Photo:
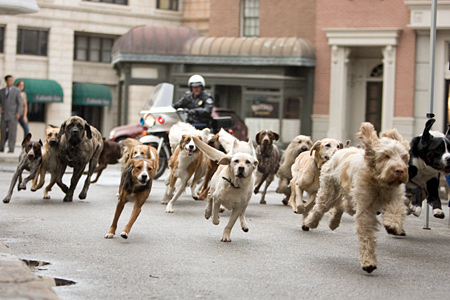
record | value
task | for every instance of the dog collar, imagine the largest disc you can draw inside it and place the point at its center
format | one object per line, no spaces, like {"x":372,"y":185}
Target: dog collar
{"x":230,"y":182}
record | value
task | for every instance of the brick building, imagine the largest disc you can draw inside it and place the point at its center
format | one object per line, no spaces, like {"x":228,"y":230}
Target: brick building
{"x":312,"y":67}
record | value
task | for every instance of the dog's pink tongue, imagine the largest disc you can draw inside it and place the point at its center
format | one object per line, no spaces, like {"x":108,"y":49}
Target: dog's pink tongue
{"x":189,"y":152}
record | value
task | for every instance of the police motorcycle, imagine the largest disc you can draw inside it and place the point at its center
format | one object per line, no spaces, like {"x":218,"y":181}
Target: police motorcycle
{"x":159,"y":116}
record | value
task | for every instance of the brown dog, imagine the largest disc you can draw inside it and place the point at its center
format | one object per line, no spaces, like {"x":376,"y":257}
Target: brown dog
{"x":110,"y":155}
{"x":50,"y":162}
{"x":29,"y":160}
{"x":79,"y":144}
{"x":211,"y":166}
{"x":135,"y":184}
{"x":268,"y":157}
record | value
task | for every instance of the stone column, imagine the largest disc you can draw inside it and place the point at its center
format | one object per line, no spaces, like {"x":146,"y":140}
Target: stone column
{"x":388,"y":102}
{"x":337,"y":125}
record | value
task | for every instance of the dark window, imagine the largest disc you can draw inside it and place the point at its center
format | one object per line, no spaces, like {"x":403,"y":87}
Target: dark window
{"x":250,"y":18}
{"x":36,"y":112}
{"x":32,"y":41}
{"x":167,"y":4}
{"x":93,"y":48}
{"x":2,"y":38}
{"x":123,"y":2}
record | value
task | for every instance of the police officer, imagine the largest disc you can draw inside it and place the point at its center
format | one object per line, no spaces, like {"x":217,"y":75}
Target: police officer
{"x":198,"y":103}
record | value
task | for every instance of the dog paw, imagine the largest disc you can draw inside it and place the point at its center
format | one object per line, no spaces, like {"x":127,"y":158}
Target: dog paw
{"x":305,"y":228}
{"x":285,"y":201}
{"x":256,"y":191}
{"x":21,"y":187}
{"x":109,"y":235}
{"x":67,"y":199}
{"x":6,"y":200}
{"x":124,"y":235}
{"x":33,"y":189}
{"x":46,"y":197}
{"x":416,"y":210}
{"x":369,"y":269}
{"x":82,"y":196}
{"x":207,"y":214}
{"x":225,"y":239}
{"x":169,"y":209}
{"x":262,"y":202}
{"x":216,"y":221}
{"x":221,"y":209}
{"x":394,"y":231}
{"x":438,"y":213}
{"x":245,"y":229}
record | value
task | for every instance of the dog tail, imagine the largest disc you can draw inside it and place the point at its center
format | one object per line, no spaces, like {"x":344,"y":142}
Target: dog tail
{"x":226,"y":140}
{"x":211,"y":152}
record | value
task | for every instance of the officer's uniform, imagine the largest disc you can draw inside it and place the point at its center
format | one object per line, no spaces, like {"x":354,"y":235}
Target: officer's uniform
{"x":199,"y":109}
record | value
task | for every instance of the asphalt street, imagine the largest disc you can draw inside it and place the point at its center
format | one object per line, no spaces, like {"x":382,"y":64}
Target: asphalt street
{"x":180,"y":256}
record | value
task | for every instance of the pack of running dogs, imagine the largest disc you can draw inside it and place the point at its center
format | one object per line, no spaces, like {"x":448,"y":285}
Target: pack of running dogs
{"x":384,"y":175}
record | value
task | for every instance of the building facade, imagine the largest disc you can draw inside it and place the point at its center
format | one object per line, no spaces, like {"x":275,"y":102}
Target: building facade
{"x":69,"y":42}
{"x":318,"y":68}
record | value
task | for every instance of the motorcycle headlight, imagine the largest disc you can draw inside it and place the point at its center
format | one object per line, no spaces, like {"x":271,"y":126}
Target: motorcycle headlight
{"x":149,"y":120}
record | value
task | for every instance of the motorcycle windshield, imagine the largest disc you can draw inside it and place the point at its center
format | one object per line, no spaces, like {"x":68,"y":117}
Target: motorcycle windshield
{"x":162,"y":96}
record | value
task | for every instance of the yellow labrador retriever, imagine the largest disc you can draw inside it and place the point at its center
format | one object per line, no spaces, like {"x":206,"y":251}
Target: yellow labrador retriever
{"x":231,"y":185}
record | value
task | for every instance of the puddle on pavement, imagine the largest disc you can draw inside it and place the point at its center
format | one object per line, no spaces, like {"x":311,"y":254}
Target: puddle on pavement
{"x":36,"y":265}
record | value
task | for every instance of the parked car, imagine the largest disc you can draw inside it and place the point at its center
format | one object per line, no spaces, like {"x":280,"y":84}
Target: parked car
{"x":120,"y":133}
{"x":240,"y":130}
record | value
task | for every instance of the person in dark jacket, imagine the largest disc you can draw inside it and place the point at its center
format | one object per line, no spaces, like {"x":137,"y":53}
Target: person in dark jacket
{"x":197,"y":102}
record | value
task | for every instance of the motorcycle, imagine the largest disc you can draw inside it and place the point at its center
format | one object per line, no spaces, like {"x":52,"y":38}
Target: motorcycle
{"x":159,"y":116}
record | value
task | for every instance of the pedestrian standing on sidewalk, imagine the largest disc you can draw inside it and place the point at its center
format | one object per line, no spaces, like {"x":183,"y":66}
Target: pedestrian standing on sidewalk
{"x":11,"y":108}
{"x":23,"y":120}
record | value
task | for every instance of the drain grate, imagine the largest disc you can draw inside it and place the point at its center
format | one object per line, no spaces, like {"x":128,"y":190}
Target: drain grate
{"x":36,"y":264}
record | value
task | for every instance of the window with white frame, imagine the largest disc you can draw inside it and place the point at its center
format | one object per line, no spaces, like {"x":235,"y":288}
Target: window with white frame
{"x":250,"y":18}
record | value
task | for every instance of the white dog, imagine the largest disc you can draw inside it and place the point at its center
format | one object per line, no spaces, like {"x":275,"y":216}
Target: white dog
{"x":231,"y":185}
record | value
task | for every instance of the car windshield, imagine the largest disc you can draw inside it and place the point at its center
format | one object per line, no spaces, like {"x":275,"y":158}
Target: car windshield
{"x":162,"y":96}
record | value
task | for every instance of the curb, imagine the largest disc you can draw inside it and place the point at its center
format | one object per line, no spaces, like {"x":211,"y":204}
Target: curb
{"x":18,"y":282}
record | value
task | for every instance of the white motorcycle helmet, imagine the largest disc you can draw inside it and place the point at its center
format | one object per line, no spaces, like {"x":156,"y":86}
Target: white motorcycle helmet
{"x":196,"y":80}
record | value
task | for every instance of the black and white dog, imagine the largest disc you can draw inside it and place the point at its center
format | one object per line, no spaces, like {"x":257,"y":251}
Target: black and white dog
{"x":429,"y":156}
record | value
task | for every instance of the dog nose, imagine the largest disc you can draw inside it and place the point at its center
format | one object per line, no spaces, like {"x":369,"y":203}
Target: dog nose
{"x":303,"y":148}
{"x":241,"y":169}
{"x":144,"y":177}
{"x":191,"y":147}
{"x":399,"y":172}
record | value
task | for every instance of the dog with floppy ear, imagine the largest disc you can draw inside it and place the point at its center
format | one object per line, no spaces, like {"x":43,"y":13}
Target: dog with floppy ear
{"x":373,"y":180}
{"x":231,"y":185}
{"x":29,"y":159}
{"x":430,"y":156}
{"x":50,"y":162}
{"x":306,"y":172}
{"x":79,"y":144}
{"x":268,"y":157}
{"x":298,"y":145}
{"x":135,"y":184}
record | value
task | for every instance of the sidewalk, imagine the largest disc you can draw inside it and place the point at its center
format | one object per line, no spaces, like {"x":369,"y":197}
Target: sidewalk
{"x":6,"y":157}
{"x":18,"y":282}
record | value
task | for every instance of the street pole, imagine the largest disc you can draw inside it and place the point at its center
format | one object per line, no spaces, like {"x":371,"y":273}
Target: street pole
{"x":432,"y":63}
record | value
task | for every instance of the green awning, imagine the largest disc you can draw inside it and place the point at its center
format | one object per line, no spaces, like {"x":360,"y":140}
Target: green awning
{"x":42,"y":90}
{"x":91,"y":94}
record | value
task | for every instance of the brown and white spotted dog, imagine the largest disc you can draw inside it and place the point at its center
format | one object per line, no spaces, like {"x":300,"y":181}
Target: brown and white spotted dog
{"x":135,"y":185}
{"x":268,"y":157}
{"x":185,"y":162}
{"x":29,"y":159}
